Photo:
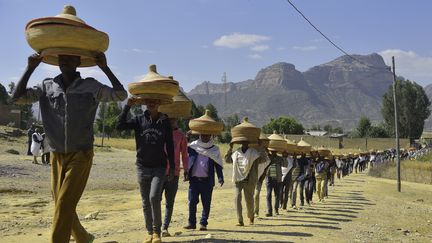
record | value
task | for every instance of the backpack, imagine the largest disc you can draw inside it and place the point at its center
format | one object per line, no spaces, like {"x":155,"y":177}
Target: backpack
{"x":319,"y":168}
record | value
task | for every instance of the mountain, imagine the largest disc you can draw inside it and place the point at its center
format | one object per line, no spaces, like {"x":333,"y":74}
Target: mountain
{"x":338,"y":92}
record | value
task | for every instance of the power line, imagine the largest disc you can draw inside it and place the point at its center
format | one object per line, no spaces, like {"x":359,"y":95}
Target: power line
{"x":334,"y":44}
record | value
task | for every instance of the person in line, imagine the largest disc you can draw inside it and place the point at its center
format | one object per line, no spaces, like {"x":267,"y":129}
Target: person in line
{"x":285,"y":186}
{"x":245,"y":162}
{"x":204,"y":160}
{"x":36,"y":146}
{"x":321,"y":177}
{"x":274,"y":178}
{"x":45,"y":150}
{"x":302,"y":163}
{"x":154,"y":146}
{"x":30,"y":132}
{"x":261,"y":171}
{"x":68,"y":105}
{"x":170,"y":187}
{"x":309,"y":182}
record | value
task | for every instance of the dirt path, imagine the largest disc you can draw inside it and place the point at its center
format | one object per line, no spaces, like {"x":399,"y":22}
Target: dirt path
{"x":360,"y":209}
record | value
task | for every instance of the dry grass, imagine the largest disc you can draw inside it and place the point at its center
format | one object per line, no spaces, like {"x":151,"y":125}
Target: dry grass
{"x":411,"y":170}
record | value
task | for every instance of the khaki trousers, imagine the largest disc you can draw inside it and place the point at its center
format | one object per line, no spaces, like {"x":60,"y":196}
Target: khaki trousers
{"x":320,"y":184}
{"x":249,"y":188}
{"x":69,"y":174}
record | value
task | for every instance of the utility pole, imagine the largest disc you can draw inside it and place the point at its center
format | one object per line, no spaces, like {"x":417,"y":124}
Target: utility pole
{"x":103,"y":123}
{"x":396,"y":126}
{"x":224,"y":81}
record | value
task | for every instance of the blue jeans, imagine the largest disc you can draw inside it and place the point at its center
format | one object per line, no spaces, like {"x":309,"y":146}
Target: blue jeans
{"x":170,"y":188}
{"x":151,"y":181}
{"x":205,"y":189}
{"x":272,"y":185}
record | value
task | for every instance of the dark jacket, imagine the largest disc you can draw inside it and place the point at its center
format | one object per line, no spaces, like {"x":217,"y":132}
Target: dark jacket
{"x":211,"y":167}
{"x":153,"y":139}
{"x":68,"y":114}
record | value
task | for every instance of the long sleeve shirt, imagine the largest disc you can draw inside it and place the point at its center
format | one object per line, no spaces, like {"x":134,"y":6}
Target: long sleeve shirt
{"x":153,"y":139}
{"x":68,"y":114}
{"x":180,"y":150}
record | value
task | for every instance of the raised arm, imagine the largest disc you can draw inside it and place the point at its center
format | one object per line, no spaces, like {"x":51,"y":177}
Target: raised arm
{"x":20,"y":92}
{"x":117,"y":92}
{"x":227,"y":157}
{"x":122,"y":122}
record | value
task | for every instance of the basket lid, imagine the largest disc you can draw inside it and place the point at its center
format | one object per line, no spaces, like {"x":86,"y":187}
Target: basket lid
{"x":153,"y":76}
{"x":303,"y":143}
{"x":67,"y":16}
{"x":263,"y":137}
{"x":246,"y":123}
{"x":290,"y":142}
{"x":205,"y":125}
{"x":69,"y":12}
{"x":276,"y":137}
{"x":205,"y":117}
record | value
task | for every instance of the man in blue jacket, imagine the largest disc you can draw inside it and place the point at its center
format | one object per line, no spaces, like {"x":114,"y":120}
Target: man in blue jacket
{"x":204,"y":160}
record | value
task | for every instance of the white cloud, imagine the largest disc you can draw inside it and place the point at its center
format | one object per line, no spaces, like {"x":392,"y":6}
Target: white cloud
{"x":204,"y":46}
{"x":238,"y":40}
{"x":255,"y":56}
{"x":136,"y":50}
{"x":260,"y":48}
{"x":305,"y":48}
{"x":410,"y":65}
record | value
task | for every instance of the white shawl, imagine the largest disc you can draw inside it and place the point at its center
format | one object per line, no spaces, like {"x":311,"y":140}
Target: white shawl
{"x":242,"y":163}
{"x":207,"y":149}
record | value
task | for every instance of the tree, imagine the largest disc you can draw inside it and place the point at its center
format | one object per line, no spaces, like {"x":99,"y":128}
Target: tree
{"x":284,"y":125}
{"x":26,"y":110}
{"x":4,"y":96}
{"x":213,"y":112}
{"x":108,"y":114}
{"x":363,"y":127}
{"x":231,"y":121}
{"x":378,"y":131}
{"x":413,"y":108}
{"x":197,"y":111}
{"x":330,"y":129}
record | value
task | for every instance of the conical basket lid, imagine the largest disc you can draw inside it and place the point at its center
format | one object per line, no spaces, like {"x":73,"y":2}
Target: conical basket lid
{"x":153,"y":76}
{"x":69,"y":12}
{"x":67,"y":16}
{"x":276,"y":137}
{"x":205,"y":125}
{"x":263,"y":137}
{"x":304,"y":146}
{"x":180,"y":108}
{"x":245,"y":132}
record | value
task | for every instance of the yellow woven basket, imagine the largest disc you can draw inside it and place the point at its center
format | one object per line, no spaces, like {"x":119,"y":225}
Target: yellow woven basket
{"x":205,"y":125}
{"x":245,"y":132}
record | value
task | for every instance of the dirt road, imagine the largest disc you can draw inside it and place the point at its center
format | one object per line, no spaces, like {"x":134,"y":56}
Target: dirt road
{"x":360,"y":208}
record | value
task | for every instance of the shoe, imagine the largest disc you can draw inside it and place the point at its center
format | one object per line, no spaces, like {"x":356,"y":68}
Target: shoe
{"x":277,"y":212}
{"x":148,"y":238}
{"x":203,"y":228}
{"x":269,"y":214}
{"x":189,"y":227}
{"x":240,"y":224}
{"x":251,"y":221}
{"x":156,"y":238}
{"x":294,"y":207}
{"x":308,"y":203}
{"x":256,"y":216}
{"x":165,"y":233}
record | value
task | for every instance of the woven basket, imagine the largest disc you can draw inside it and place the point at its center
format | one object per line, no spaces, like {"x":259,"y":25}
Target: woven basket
{"x":303,"y":146}
{"x":65,"y":34}
{"x":277,"y":143}
{"x":245,"y":132}
{"x":205,"y":125}
{"x":180,"y":108}
{"x":292,"y":147}
{"x":324,"y":152}
{"x":155,"y":86}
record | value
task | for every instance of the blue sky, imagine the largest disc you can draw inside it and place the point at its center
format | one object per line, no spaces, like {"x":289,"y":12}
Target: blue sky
{"x":198,"y":40}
